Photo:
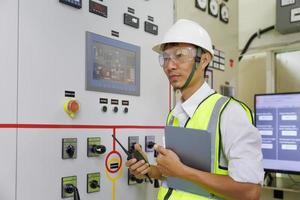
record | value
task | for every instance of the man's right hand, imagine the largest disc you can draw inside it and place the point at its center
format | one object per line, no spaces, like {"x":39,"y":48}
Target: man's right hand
{"x":138,"y":168}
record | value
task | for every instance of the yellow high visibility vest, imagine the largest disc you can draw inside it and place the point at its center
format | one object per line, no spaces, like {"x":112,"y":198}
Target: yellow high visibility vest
{"x":206,"y":117}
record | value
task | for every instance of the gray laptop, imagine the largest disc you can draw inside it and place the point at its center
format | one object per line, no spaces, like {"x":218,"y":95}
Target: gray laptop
{"x":194,"y":149}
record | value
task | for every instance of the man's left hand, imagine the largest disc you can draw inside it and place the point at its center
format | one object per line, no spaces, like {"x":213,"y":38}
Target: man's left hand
{"x":168,"y":162}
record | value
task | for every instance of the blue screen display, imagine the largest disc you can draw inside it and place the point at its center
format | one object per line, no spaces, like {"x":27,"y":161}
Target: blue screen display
{"x":112,"y":66}
{"x":277,"y":116}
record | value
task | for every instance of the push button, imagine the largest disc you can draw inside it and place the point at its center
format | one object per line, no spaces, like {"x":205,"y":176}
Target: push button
{"x":71,"y":107}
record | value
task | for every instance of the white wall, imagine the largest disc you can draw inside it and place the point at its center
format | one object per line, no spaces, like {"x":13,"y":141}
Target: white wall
{"x":287,"y":72}
{"x":252,"y":77}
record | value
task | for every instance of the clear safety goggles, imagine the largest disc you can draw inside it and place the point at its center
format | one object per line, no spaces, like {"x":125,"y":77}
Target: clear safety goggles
{"x":177,"y":55}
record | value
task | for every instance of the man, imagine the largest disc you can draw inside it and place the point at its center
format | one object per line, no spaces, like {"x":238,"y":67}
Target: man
{"x":237,"y":173}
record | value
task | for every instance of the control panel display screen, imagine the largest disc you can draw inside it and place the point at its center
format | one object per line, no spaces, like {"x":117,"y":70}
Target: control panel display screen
{"x":277,"y":118}
{"x":112,"y":66}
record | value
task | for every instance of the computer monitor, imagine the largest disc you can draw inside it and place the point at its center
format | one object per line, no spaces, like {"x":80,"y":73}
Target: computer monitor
{"x":112,"y":65}
{"x":277,"y":117}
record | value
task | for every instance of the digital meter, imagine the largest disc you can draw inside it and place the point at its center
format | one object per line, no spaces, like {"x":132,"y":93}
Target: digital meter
{"x":73,"y":3}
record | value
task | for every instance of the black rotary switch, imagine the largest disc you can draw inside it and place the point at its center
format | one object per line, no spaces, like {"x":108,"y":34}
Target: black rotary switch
{"x":104,"y":108}
{"x":150,"y":144}
{"x":69,"y":188}
{"x":115,"y":109}
{"x":98,"y":149}
{"x":70,"y":150}
{"x":94,"y":184}
{"x":139,"y":181}
{"x":133,"y":178}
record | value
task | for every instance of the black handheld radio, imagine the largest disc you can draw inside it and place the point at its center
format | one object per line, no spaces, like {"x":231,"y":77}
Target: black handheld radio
{"x":133,"y":154}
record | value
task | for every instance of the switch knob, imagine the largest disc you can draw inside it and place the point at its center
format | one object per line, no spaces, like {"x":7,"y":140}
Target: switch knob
{"x":69,"y":188}
{"x":94,"y":184}
{"x":115,"y":109}
{"x":71,"y":107}
{"x":98,"y":149}
{"x":150,"y":144}
{"x":133,"y":178}
{"x":104,"y":108}
{"x":70,"y":150}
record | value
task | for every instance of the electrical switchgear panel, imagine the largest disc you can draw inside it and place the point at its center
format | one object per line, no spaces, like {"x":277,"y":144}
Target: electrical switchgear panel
{"x":69,"y":148}
{"x":93,"y":182}
{"x":67,"y":186}
{"x":65,"y":121}
{"x":132,"y":180}
{"x":94,"y":147}
{"x":287,"y":16}
{"x":149,"y":143}
{"x":132,"y":140}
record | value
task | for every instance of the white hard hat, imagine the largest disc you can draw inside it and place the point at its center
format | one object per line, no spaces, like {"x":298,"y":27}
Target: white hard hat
{"x":186,"y":31}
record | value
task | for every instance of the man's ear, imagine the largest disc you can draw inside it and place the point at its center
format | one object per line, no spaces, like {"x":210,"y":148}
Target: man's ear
{"x":205,"y":60}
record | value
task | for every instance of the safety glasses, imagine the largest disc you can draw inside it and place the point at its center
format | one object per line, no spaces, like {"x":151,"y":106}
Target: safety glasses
{"x":177,"y":55}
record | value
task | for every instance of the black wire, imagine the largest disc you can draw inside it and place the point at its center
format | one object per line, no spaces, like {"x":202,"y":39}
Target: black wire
{"x":253,"y":36}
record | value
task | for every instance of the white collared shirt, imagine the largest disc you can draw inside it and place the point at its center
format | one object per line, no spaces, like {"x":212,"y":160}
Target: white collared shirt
{"x":240,"y":139}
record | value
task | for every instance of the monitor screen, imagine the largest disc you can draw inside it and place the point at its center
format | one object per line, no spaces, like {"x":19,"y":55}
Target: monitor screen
{"x":277,"y":117}
{"x":112,"y":66}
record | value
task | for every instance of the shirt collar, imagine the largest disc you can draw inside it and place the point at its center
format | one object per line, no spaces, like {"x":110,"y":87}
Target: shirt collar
{"x":191,"y":104}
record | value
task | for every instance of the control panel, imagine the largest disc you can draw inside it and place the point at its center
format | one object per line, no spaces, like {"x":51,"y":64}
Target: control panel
{"x":132,"y":140}
{"x":151,"y":28}
{"x":149,"y":143}
{"x":94,"y":147}
{"x":93,"y":182}
{"x":131,"y":20}
{"x":115,"y":105}
{"x":287,"y":16}
{"x":69,"y":148}
{"x":97,"y":8}
{"x":68,"y":185}
{"x":91,"y":77}
{"x":132,"y":180}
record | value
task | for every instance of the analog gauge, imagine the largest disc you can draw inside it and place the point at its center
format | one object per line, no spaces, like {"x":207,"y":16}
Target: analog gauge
{"x":224,"y":13}
{"x":201,"y":4}
{"x":213,"y":7}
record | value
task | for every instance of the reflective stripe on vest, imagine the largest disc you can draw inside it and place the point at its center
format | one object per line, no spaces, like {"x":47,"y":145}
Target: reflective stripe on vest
{"x":206,"y":117}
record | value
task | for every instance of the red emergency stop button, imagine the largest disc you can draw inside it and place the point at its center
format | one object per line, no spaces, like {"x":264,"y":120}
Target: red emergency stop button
{"x":71,"y":107}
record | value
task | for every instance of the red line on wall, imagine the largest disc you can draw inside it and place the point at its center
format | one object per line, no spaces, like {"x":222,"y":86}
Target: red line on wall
{"x":8,"y":126}
{"x":78,"y":126}
{"x":114,"y":141}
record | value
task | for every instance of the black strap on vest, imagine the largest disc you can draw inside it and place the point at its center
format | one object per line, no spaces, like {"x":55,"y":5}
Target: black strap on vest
{"x":168,"y":194}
